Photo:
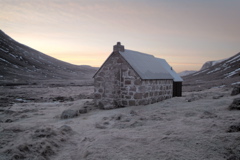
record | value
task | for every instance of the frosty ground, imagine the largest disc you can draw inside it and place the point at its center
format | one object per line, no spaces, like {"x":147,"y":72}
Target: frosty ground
{"x":195,"y":126}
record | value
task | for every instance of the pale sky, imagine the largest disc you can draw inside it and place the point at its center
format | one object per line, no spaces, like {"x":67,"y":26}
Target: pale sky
{"x":186,"y":33}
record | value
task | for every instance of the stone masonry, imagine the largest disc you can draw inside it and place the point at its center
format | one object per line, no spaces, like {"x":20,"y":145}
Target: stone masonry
{"x":116,"y":84}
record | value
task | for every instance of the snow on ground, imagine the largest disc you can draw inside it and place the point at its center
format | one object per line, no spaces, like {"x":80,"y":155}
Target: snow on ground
{"x":4,"y":60}
{"x":12,"y":55}
{"x":232,"y":73}
{"x":232,"y":59}
{"x":235,"y":83}
{"x":3,"y":50}
{"x":171,"y":129}
{"x":218,"y":61}
{"x":201,"y":71}
{"x":216,"y":69}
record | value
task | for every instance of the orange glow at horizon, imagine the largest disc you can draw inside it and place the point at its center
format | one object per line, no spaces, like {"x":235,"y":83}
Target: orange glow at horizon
{"x":185,"y":33}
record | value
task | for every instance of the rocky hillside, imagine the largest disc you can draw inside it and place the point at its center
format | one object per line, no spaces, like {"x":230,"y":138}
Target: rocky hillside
{"x":20,"y":62}
{"x":224,"y":72}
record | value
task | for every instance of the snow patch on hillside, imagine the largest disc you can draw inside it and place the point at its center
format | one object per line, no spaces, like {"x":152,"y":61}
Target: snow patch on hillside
{"x":211,"y":63}
{"x":3,"y":50}
{"x":4,"y":60}
{"x":235,"y":83}
{"x":201,"y":71}
{"x":215,"y":70}
{"x":232,"y":73}
{"x":235,"y":58}
{"x":216,"y":62}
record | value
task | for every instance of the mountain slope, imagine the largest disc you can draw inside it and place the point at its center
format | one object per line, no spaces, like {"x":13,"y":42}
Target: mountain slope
{"x":18,"y":61}
{"x":225,"y":72}
{"x":210,"y":64}
{"x":185,"y":73}
{"x":228,"y":68}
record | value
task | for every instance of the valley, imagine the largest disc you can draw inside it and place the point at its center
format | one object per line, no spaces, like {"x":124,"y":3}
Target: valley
{"x":47,"y":112}
{"x":194,"y":126}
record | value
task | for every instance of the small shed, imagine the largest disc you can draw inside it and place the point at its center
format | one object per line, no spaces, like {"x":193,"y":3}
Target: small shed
{"x":131,"y":78}
{"x":177,"y":80}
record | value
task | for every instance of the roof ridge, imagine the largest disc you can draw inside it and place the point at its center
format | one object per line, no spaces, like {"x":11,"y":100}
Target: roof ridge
{"x":147,"y":66}
{"x":139,"y":53}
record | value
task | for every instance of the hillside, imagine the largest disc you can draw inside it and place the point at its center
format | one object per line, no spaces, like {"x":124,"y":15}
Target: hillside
{"x":224,"y":72}
{"x":210,"y":64}
{"x":19,"y":62}
{"x":185,"y":73}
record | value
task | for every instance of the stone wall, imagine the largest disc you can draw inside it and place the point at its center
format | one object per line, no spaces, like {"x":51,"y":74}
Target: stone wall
{"x":146,"y":92}
{"x":107,"y":83}
{"x":117,"y":85}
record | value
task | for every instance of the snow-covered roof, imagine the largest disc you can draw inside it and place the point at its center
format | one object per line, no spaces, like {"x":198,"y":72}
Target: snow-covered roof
{"x":176,"y":77}
{"x":149,"y":67}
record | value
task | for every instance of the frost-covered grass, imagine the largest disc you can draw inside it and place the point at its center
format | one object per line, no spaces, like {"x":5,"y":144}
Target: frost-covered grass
{"x":172,"y":129}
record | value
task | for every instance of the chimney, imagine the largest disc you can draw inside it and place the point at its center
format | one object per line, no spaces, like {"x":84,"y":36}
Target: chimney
{"x":118,"y":47}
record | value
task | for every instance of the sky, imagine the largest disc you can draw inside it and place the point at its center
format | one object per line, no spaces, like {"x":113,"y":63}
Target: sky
{"x":186,"y":33}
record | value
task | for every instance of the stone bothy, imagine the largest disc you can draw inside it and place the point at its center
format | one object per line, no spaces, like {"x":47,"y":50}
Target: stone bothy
{"x":130,"y":78}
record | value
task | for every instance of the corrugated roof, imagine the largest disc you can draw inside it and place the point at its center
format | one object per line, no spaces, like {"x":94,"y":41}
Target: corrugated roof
{"x":164,"y":63}
{"x":147,"y":66}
